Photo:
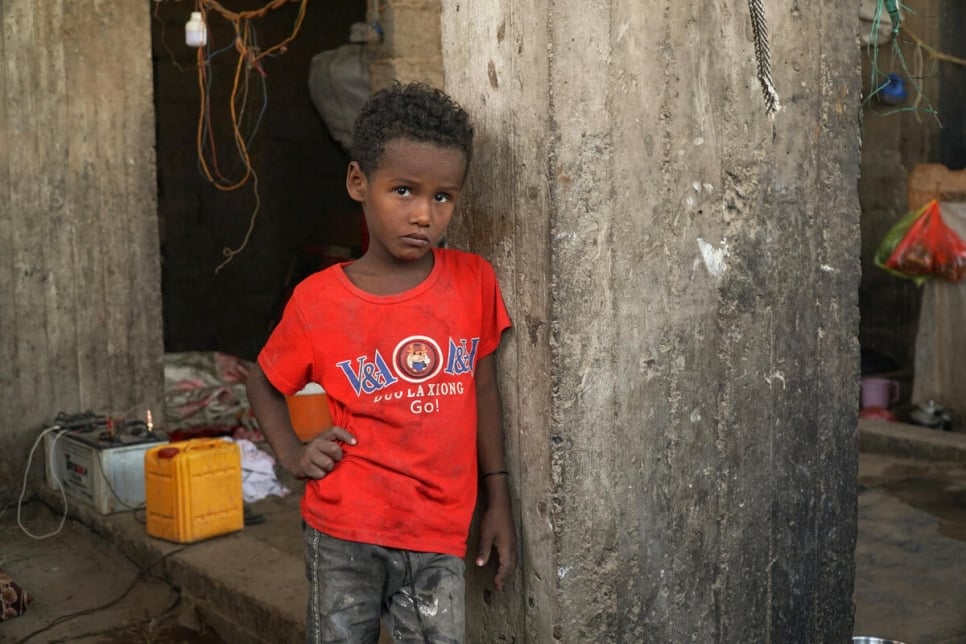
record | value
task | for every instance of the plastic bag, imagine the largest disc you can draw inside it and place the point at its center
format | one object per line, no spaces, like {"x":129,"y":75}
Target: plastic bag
{"x":921,"y":245}
{"x":338,"y":86}
{"x":892,"y":239}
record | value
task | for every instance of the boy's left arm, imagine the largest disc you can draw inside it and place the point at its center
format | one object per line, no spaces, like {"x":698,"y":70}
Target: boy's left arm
{"x":496,"y":525}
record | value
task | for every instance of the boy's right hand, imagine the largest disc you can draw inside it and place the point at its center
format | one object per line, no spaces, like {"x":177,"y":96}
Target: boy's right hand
{"x":320,"y":455}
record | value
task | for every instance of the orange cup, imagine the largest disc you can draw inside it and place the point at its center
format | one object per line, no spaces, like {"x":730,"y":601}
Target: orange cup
{"x":309,"y":412}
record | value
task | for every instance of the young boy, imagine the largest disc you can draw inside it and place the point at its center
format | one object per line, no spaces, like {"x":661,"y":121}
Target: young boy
{"x":403,"y":341}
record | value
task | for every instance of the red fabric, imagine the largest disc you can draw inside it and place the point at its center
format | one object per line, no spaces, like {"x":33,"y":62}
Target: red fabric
{"x":398,"y":371}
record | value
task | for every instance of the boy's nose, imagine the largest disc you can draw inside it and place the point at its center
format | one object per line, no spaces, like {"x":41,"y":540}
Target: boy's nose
{"x":421,"y":213}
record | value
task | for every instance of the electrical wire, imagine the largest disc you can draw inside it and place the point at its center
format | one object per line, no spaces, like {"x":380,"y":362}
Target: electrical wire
{"x":250,"y":55}
{"x":110,"y":486}
{"x":6,"y":505}
{"x":133,"y":408}
{"x":137,"y":577}
{"x":61,"y":431}
{"x":60,"y":486}
{"x":230,"y":253}
{"x":164,"y":43}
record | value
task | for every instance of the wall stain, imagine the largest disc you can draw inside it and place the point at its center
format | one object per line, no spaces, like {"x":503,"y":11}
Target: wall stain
{"x":533,"y":328}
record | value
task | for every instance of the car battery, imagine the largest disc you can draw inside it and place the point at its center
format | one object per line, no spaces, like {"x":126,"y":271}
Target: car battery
{"x":193,"y":490}
{"x":99,"y":467}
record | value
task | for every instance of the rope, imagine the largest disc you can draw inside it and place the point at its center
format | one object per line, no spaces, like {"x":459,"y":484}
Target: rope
{"x":763,"y":57}
{"x":879,"y":79}
{"x":937,"y":55}
{"x":892,"y":6}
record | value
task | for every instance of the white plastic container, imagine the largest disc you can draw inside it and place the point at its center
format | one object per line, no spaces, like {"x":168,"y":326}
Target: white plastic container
{"x":195,"y":30}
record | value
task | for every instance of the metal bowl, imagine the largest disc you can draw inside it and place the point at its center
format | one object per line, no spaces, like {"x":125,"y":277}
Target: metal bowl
{"x":866,"y":639}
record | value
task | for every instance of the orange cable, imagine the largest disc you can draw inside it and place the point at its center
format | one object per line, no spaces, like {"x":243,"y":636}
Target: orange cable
{"x":236,"y":132}
{"x":242,"y":26}
{"x":230,"y":253}
{"x":241,"y":15}
{"x":295,"y":30}
{"x":241,"y":23}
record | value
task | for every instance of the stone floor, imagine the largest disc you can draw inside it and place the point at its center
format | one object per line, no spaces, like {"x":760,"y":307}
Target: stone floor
{"x":910,"y":581}
{"x":102,"y":581}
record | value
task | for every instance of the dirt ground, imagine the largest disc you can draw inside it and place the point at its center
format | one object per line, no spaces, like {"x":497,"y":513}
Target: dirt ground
{"x":85,"y":593}
{"x":910,"y":563}
{"x":911,"y":554}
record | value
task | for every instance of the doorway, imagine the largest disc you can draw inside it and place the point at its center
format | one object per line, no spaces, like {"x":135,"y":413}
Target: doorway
{"x":223,"y":286}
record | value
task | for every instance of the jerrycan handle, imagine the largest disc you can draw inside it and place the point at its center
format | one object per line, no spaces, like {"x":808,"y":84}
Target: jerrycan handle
{"x":203,"y":443}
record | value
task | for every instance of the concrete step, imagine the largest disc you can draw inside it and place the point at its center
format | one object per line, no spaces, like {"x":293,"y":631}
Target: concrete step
{"x":243,"y":585}
{"x":913,"y":441}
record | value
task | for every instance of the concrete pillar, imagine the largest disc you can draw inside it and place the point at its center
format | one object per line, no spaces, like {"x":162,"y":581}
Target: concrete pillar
{"x":682,"y":270}
{"x":80,"y":279}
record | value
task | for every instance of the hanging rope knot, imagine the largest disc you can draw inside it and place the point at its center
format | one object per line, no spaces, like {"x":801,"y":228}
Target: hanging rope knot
{"x":892,"y":6}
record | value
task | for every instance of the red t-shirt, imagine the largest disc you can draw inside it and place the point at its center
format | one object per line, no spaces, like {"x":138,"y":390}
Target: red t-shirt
{"x":399,"y":373}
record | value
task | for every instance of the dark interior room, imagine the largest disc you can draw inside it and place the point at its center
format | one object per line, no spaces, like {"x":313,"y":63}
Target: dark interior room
{"x":251,"y":180}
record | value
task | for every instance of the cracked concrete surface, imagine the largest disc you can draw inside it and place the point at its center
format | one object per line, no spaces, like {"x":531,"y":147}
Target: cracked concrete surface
{"x":249,"y":586}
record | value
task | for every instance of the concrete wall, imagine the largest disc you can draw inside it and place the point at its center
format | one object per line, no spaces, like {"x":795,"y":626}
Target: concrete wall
{"x":80,"y":305}
{"x":681,"y":382}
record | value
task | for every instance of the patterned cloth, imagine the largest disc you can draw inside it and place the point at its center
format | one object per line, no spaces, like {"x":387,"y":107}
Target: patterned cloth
{"x":207,"y":390}
{"x":13,"y":599}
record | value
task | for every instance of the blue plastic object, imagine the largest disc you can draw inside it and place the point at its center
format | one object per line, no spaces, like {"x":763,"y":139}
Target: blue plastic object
{"x":893,"y":92}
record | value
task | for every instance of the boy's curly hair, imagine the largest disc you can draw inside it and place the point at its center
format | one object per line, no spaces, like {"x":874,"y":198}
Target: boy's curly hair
{"x":413,"y":111}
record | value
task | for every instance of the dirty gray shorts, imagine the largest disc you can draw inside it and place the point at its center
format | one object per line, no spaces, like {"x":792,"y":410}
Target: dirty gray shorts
{"x":353,"y":585}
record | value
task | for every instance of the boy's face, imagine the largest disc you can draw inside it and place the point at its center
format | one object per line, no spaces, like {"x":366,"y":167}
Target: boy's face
{"x":409,"y":199}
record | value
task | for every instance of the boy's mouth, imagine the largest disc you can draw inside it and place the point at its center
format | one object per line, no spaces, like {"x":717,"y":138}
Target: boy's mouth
{"x":416,"y":239}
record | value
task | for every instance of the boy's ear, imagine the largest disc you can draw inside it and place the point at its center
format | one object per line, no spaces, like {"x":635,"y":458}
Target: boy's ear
{"x":355,"y":182}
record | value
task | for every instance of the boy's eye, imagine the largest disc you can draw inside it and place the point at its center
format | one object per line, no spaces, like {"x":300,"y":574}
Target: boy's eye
{"x":401,"y":190}
{"x":441,"y":197}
